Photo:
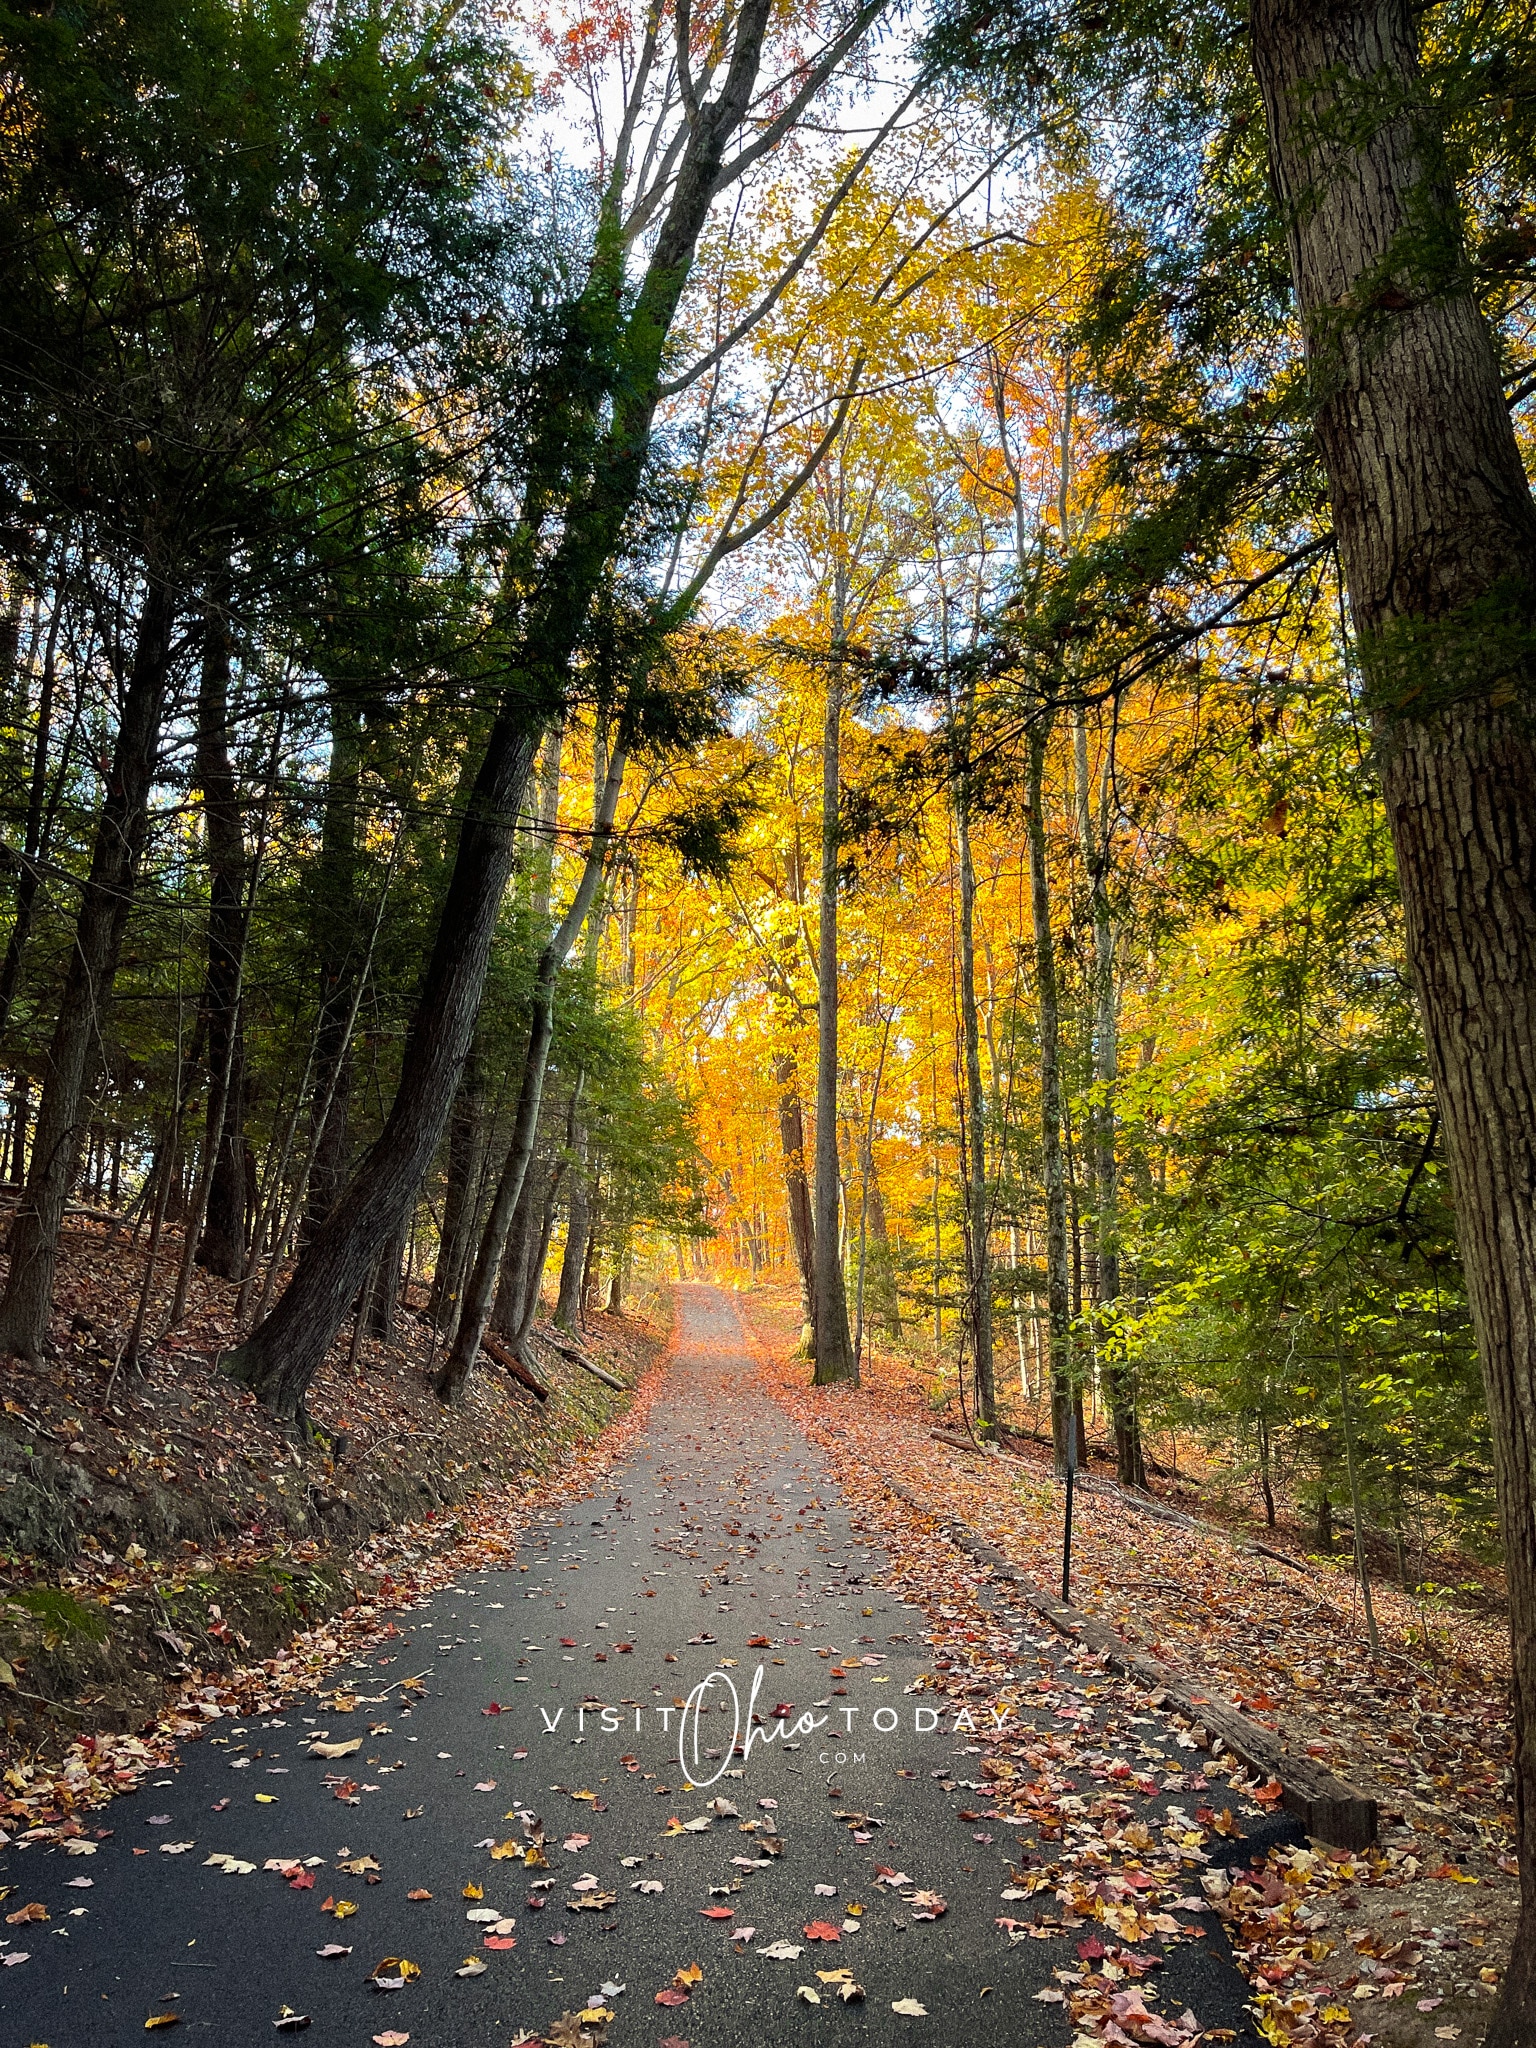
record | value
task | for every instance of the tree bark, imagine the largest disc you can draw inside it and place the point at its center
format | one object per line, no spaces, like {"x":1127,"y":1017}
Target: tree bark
{"x":1437,"y":534}
{"x":105,"y":900}
{"x":1048,"y":1000}
{"x":797,"y":1195}
{"x":222,"y":1246}
{"x":834,"y":1346}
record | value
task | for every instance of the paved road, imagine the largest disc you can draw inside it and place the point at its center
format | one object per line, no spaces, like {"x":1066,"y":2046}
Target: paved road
{"x":724,"y":1525}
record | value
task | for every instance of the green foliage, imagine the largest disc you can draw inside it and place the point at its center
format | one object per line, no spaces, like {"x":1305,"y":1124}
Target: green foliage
{"x":1300,"y":1229}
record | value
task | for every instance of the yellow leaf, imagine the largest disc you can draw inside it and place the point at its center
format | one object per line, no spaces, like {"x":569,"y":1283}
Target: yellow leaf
{"x":595,"y":2016}
{"x":345,"y":1908}
{"x":266,"y":1799}
{"x":474,"y":1891}
{"x":162,"y":2019}
{"x":687,"y":1976}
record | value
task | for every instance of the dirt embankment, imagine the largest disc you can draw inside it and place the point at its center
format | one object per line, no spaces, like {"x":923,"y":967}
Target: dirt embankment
{"x":159,"y":1528}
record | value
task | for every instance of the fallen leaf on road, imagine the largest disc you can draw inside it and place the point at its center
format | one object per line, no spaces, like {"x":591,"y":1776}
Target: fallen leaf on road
{"x":821,"y":1930}
{"x":779,"y":1951}
{"x":390,"y":2040}
{"x":394,"y":1973}
{"x":333,"y":1949}
{"x":909,"y":2008}
{"x":811,"y":1997}
{"x":472,"y":1966}
{"x":335,"y":1749}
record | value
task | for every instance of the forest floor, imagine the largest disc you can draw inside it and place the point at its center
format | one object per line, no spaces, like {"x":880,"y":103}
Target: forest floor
{"x":1401,"y":1945}
{"x":162,"y":1540}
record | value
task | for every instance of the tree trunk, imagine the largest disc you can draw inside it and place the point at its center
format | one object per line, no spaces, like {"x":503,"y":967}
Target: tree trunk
{"x":1047,"y":997}
{"x":384,"y":1292}
{"x":834,"y":1347}
{"x":221,"y":1247}
{"x":482,"y":1281}
{"x":538,"y":1258}
{"x":279,"y":1359}
{"x":336,"y":920}
{"x":466,"y":1157}
{"x":1437,"y":533}
{"x":105,"y":900}
{"x":978,"y":1207}
{"x":614,"y":1305}
{"x":797,"y":1195}
{"x":578,"y":1225}
{"x":512,"y":1281}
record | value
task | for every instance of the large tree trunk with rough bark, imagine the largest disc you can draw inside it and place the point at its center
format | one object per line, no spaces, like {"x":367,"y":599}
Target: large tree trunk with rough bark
{"x":1437,"y":532}
{"x":834,"y":1345}
{"x":105,"y":900}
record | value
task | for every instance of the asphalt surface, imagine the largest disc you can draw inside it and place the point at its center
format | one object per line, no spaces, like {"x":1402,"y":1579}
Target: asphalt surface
{"x":723,"y":1525}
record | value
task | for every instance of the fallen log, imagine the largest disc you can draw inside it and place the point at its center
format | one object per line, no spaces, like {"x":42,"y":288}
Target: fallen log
{"x":509,"y":1362}
{"x":598,"y":1372}
{"x":1326,"y":1806}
